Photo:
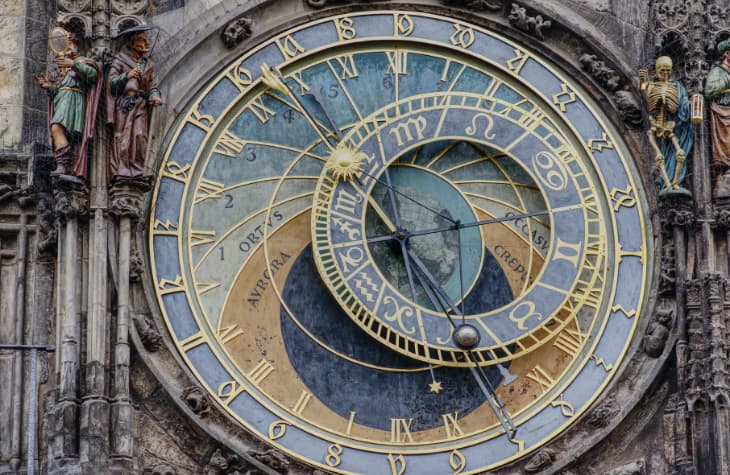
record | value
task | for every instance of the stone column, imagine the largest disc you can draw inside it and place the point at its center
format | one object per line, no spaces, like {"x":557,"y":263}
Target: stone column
{"x":126,"y":205}
{"x":71,"y":206}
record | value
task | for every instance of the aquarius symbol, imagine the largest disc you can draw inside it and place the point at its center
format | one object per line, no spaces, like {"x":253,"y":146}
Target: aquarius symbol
{"x":360,"y":285}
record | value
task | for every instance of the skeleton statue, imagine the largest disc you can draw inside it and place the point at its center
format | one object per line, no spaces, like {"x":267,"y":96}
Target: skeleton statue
{"x":670,"y":131}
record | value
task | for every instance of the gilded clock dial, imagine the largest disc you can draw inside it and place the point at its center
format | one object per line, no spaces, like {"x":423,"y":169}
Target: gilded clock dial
{"x":336,"y":198}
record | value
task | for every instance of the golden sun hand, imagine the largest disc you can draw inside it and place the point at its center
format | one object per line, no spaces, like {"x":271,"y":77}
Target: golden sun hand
{"x":345,"y":162}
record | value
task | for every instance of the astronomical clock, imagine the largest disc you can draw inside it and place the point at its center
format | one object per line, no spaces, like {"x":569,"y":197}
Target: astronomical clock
{"x":392,"y":242}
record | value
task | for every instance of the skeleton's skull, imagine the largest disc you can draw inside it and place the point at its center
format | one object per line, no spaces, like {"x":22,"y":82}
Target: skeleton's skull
{"x":663,"y":68}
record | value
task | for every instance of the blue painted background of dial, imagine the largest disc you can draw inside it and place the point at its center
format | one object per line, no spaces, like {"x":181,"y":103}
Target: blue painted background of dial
{"x":376,"y":396}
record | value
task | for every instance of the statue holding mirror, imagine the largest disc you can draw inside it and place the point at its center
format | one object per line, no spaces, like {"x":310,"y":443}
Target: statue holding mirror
{"x":73,"y":102}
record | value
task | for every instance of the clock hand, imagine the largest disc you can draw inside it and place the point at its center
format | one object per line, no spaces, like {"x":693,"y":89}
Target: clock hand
{"x":316,"y":95}
{"x":273,"y":79}
{"x":458,"y":226}
{"x":395,"y":190}
{"x":466,"y":336}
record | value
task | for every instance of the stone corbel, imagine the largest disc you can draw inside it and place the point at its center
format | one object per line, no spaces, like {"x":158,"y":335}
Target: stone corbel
{"x":71,"y":199}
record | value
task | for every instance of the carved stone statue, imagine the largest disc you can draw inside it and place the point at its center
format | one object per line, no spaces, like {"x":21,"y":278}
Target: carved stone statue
{"x":74,"y":100}
{"x":131,"y":94}
{"x":717,"y":91}
{"x":671,"y":130}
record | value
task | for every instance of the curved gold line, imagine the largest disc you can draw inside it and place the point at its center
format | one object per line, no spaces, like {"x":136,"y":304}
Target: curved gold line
{"x":238,"y":225}
{"x":642,"y":298}
{"x":488,"y":157}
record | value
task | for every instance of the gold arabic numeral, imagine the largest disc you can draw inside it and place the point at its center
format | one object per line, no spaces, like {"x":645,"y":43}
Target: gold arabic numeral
{"x":192,"y":341}
{"x":451,"y":425}
{"x":566,"y":408}
{"x":277,"y":429}
{"x":564,"y":97}
{"x":345,"y":29}
{"x":569,"y":340}
{"x":397,"y":62}
{"x":209,"y":189}
{"x":623,"y":198}
{"x":229,"y":145}
{"x":302,"y":402}
{"x":407,"y":131}
{"x":400,"y":430}
{"x":402,"y":25}
{"x":515,"y":64}
{"x":166,"y":228}
{"x":199,"y":238}
{"x":541,"y":377}
{"x":333,"y":455}
{"x":457,"y":461}
{"x":260,"y":371}
{"x":262,"y":113}
{"x":303,"y":87}
{"x":176,"y":171}
{"x":567,"y":251}
{"x":241,"y":77}
{"x":167,"y":286}
{"x":348,"y":65}
{"x":203,"y":121}
{"x":289,"y":47}
{"x":550,"y":170}
{"x":523,"y":312}
{"x":397,"y":464}
{"x":229,"y":390}
{"x":462,"y":37}
{"x":205,"y":287}
{"x":227,"y":334}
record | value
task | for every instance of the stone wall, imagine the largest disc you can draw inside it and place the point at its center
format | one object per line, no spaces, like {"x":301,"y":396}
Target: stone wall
{"x":12,"y":69}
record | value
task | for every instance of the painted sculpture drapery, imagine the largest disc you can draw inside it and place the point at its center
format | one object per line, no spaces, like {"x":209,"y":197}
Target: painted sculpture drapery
{"x":671,"y":131}
{"x":131,"y":95}
{"x":73,"y":104}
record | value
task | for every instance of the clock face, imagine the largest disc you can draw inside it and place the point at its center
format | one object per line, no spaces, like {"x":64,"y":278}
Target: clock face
{"x":318,"y":238}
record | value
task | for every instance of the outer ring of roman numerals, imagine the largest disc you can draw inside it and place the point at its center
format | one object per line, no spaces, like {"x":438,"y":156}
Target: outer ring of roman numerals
{"x":335,"y":453}
{"x":354,"y":280}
